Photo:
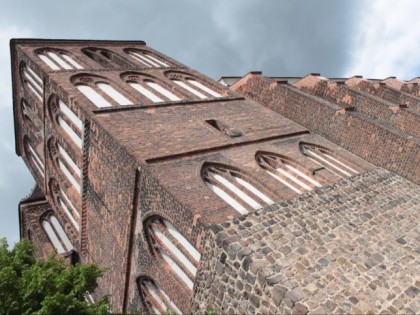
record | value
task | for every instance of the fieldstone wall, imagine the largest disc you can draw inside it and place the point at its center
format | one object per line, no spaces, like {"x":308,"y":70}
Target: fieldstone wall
{"x":349,"y":247}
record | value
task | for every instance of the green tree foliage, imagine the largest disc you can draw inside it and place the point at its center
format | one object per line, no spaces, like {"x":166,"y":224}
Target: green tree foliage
{"x":30,"y":286}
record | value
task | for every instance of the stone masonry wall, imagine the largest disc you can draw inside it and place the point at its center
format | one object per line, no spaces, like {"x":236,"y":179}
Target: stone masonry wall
{"x":349,"y":247}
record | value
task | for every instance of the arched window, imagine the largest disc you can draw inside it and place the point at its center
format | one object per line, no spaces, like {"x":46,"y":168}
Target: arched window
{"x":154,"y":298}
{"x":63,"y":202}
{"x":67,"y":120}
{"x":192,"y":85}
{"x":328,"y":159}
{"x":150,"y":88}
{"x":106,"y":58}
{"x":32,"y":81}
{"x":66,"y":164}
{"x":34,"y":158}
{"x":146,"y":58}
{"x":175,"y":249}
{"x":287,"y":172}
{"x":56,"y":234}
{"x":235,"y":187}
{"x":58,"y":59}
{"x":99,"y":91}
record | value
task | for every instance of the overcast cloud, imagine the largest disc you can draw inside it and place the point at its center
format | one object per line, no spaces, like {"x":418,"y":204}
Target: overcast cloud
{"x":374,"y":38}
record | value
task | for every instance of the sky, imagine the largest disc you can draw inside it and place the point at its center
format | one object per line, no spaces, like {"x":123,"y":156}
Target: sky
{"x":337,"y":38}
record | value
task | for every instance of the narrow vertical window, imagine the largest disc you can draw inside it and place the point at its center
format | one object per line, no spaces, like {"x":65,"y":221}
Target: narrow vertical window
{"x":69,"y":175}
{"x":286,"y":172}
{"x":163,"y":91}
{"x":238,"y":192}
{"x":58,"y":60}
{"x":189,"y":89}
{"x":175,"y":249}
{"x":145,"y":92}
{"x":93,"y":96}
{"x":325,"y":158}
{"x":56,"y":234}
{"x":146,"y":59}
{"x":156,"y":299}
{"x":34,"y":157}
{"x":69,"y":130}
{"x":203,"y":88}
{"x":114,"y":94}
{"x":33,"y":82}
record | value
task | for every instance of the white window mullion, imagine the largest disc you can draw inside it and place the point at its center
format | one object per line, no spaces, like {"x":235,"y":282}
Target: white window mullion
{"x":69,"y":214}
{"x":175,"y":251}
{"x":93,"y":96}
{"x":341,"y":163}
{"x":157,"y":60}
{"x":32,"y":81}
{"x":301,"y":174}
{"x":153,"y":292}
{"x":168,"y":299}
{"x":70,"y":115}
{"x":52,"y":236}
{"x":34,"y":75}
{"x":204,"y":88}
{"x":319,"y":157}
{"x":254,"y":190}
{"x":60,"y":61}
{"x":148,"y":60}
{"x":61,"y":233}
{"x":183,"y":241}
{"x":48,"y":62}
{"x":69,"y":130}
{"x":71,"y":61}
{"x":69,"y":176}
{"x":226,"y":197}
{"x":190,"y":89}
{"x":281,"y":180}
{"x":294,"y":179}
{"x":163,"y":91}
{"x":114,"y":94}
{"x":38,"y":160}
{"x":177,"y":270}
{"x":134,"y":56}
{"x":70,"y":161}
{"x":237,"y":191}
{"x":145,"y":92}
{"x":69,"y":202}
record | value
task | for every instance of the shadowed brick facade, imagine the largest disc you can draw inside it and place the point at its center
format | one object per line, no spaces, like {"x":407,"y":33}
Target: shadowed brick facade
{"x":192,"y":194}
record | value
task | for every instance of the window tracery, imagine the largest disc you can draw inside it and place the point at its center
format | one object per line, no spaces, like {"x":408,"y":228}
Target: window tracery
{"x":235,"y":187}
{"x":57,"y":59}
{"x":287,"y":172}
{"x":56,"y":234}
{"x":180,"y":255}
{"x":154,"y":298}
{"x":100,"y":91}
{"x":146,"y":59}
{"x":106,"y":58}
{"x":193,"y":85}
{"x":328,"y":159}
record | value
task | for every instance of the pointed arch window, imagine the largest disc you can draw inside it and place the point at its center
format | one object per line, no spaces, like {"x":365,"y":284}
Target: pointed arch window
{"x":32,"y":81}
{"x":58,"y":60}
{"x":154,"y":298}
{"x":100,"y":92}
{"x":287,"y":172}
{"x":106,"y":58}
{"x":146,"y":58}
{"x":56,"y":234}
{"x":174,"y":248}
{"x":150,"y":88}
{"x":328,"y":159}
{"x":193,"y":85}
{"x":235,"y":187}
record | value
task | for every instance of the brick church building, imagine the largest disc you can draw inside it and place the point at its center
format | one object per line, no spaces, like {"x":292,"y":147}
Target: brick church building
{"x":259,"y":195}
